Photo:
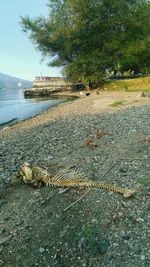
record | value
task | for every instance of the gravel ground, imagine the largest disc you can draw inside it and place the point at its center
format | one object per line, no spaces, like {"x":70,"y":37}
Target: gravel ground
{"x":103,"y":228}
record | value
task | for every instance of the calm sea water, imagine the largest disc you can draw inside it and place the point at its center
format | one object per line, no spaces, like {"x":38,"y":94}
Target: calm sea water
{"x":14,"y":107}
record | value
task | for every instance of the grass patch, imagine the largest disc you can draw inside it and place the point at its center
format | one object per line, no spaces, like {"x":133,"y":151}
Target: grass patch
{"x":130,"y":85}
{"x":126,"y":87}
{"x":117,"y":103}
{"x":143,"y":182}
{"x":93,"y":240}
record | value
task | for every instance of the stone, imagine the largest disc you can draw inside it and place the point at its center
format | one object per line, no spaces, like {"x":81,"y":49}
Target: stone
{"x":41,"y":250}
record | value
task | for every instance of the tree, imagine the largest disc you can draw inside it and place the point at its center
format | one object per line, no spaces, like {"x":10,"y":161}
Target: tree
{"x":91,"y":38}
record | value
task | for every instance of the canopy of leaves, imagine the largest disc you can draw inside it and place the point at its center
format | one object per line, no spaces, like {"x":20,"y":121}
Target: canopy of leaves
{"x":89,"y":39}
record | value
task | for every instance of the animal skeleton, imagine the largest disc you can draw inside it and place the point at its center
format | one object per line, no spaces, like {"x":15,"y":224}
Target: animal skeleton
{"x":36,"y":176}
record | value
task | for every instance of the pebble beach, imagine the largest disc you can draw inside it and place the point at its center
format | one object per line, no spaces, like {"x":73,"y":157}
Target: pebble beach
{"x":61,"y":136}
{"x":69,"y":124}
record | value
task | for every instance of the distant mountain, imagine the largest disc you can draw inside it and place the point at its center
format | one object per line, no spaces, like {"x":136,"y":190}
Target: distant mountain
{"x":7,"y":81}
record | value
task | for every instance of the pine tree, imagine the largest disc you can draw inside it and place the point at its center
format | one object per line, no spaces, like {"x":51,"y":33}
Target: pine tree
{"x":89,"y":39}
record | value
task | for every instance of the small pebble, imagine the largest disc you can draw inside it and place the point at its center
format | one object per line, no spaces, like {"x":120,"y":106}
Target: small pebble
{"x":41,"y":250}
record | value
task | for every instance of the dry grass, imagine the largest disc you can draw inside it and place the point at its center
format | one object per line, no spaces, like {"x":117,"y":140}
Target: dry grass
{"x":130,"y":85}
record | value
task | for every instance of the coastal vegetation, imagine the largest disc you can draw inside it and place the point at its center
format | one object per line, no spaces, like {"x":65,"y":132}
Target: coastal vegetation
{"x":117,"y":103}
{"x":91,"y":40}
{"x":130,"y":85}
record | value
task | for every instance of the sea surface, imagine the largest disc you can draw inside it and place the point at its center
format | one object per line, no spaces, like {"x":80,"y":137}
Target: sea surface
{"x":15,"y":107}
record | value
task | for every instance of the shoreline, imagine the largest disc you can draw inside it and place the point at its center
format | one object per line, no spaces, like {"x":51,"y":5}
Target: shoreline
{"x":81,"y":106}
{"x":15,"y":121}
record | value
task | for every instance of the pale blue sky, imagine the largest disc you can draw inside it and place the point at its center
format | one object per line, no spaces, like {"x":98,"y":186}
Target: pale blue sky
{"x":18,"y":56}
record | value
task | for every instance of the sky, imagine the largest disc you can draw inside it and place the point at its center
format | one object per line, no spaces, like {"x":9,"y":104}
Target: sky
{"x":18,"y":56}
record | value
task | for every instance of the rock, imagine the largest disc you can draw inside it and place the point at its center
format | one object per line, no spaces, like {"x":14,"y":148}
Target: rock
{"x":43,"y":91}
{"x":63,"y":190}
{"x":122,"y":170}
{"x":41,"y":250}
{"x":140,"y":220}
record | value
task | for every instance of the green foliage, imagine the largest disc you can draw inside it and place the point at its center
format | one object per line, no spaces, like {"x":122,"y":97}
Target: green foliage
{"x":92,"y":235}
{"x":130,"y":85}
{"x":94,"y":241}
{"x":126,"y":87}
{"x":89,"y":39}
{"x":117,"y":103}
{"x":143,"y":182}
